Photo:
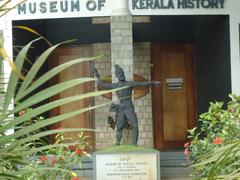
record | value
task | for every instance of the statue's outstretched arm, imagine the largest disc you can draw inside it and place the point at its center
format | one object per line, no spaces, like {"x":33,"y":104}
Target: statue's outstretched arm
{"x":146,"y":84}
{"x":102,"y":83}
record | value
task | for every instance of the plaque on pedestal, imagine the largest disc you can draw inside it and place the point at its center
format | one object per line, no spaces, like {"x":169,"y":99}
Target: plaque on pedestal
{"x":132,"y":165}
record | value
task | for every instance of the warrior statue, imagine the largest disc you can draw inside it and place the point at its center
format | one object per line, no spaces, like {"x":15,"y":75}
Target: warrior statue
{"x":125,"y":109}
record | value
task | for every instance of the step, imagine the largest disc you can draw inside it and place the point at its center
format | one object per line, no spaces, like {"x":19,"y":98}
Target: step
{"x":172,"y":155}
{"x":175,"y":172}
{"x":174,"y":163}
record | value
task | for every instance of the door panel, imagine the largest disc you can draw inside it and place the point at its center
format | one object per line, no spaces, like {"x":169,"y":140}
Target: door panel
{"x":174,"y":101}
{"x":84,"y":120}
{"x":174,"y":115}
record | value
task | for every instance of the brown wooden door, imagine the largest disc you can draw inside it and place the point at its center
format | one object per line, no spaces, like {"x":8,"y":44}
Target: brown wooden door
{"x":174,"y":101}
{"x":84,"y":120}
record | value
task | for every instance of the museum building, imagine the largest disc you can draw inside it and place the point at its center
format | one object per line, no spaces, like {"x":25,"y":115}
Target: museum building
{"x":191,"y":46}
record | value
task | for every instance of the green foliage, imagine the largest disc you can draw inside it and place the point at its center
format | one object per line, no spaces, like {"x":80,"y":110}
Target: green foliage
{"x":59,"y":161}
{"x":18,"y":147}
{"x":214,"y":147}
{"x":7,"y":5}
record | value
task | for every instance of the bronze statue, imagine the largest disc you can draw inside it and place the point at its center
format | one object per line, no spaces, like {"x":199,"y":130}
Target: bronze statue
{"x":125,"y":109}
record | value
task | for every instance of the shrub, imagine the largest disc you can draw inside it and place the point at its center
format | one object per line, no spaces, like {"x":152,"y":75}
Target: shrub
{"x":218,"y":128}
{"x":59,"y":161}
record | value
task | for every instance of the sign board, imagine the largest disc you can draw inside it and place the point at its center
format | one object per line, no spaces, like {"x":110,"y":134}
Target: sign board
{"x":45,"y":9}
{"x":131,"y":166}
{"x":179,"y":4}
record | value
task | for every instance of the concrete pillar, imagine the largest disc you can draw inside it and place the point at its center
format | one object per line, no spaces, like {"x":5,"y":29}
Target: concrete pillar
{"x":122,"y":45}
{"x":121,"y":8}
{"x":121,"y":38}
{"x":6,"y":29}
{"x":1,"y":69}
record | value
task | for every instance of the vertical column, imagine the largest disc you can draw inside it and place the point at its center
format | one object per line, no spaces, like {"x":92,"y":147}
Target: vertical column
{"x":235,"y":52}
{"x":6,"y":44}
{"x":1,"y":68}
{"x":122,"y":46}
{"x":6,"y":35}
{"x":6,"y":29}
{"x":121,"y":38}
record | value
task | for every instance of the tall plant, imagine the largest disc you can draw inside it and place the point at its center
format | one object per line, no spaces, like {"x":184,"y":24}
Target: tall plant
{"x":13,"y":152}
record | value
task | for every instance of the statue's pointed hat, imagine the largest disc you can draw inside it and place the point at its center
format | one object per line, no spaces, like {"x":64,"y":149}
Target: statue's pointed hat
{"x":118,"y":69}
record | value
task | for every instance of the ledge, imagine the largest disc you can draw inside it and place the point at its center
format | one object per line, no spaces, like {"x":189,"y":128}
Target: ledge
{"x":125,"y":148}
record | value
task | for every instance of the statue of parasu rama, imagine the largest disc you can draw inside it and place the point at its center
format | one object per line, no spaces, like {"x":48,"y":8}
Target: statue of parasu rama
{"x":125,"y":111}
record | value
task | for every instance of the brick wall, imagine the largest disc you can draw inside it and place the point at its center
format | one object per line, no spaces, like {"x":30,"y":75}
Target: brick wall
{"x":122,"y":44}
{"x":143,"y":105}
{"x":105,"y":136}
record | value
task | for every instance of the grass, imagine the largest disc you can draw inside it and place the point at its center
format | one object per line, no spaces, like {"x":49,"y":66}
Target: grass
{"x":125,"y":148}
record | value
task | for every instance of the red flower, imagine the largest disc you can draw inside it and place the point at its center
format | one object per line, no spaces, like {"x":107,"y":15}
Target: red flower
{"x":186,"y":152}
{"x":79,"y":152}
{"x":42,"y":159}
{"x":217,"y":141}
{"x":53,"y":161}
{"x":21,"y":113}
{"x":75,"y":178}
{"x":186,"y":144}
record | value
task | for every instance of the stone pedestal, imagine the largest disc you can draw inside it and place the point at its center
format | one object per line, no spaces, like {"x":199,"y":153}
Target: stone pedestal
{"x":127,"y":165}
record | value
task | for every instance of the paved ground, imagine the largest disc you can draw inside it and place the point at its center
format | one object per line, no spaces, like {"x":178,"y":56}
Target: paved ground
{"x":180,"y":178}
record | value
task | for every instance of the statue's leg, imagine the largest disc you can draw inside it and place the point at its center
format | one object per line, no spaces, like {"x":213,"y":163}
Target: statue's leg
{"x":120,"y":122}
{"x":132,"y":117}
